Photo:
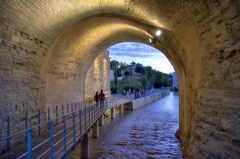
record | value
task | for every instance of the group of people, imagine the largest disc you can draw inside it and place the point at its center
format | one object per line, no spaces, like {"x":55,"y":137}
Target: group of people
{"x":138,"y":93}
{"x":99,"y":98}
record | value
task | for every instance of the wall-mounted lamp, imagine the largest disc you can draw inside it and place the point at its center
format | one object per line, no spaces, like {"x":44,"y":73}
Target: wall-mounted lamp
{"x":152,"y":40}
{"x":158,"y":32}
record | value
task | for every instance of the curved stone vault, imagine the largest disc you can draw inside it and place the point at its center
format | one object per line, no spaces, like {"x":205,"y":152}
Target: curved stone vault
{"x":46,"y":48}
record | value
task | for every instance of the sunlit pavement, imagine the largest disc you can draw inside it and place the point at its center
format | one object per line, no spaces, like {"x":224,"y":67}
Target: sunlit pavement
{"x":148,"y":132}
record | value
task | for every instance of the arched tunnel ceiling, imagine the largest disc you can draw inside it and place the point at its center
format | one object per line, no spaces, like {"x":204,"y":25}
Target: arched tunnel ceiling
{"x":188,"y":21}
{"x":47,"y":20}
{"x":99,"y":32}
{"x":51,"y":18}
{"x":201,"y":36}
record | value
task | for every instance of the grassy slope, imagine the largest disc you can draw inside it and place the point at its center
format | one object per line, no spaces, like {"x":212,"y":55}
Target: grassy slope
{"x":124,"y":83}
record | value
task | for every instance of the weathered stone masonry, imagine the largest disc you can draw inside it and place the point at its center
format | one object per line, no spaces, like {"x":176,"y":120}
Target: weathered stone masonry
{"x":97,"y":77}
{"x":21,"y":88}
{"x":46,"y":48}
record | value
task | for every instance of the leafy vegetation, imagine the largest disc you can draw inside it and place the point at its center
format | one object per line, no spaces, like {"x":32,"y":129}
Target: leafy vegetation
{"x":149,"y":77}
{"x":127,"y":83}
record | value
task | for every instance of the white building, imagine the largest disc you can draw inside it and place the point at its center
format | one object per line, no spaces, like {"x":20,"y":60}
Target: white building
{"x":174,"y":80}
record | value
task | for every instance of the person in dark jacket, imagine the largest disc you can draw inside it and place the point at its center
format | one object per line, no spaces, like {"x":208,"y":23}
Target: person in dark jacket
{"x":96,"y":98}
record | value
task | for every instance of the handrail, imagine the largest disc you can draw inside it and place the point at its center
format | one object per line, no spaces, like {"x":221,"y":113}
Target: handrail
{"x":84,"y":116}
{"x":42,"y":119}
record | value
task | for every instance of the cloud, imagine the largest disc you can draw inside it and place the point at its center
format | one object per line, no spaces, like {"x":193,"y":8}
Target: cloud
{"x":131,"y":54}
{"x":132,"y":49}
{"x":140,"y":53}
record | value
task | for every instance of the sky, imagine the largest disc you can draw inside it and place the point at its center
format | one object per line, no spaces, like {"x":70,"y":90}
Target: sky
{"x":140,"y":53}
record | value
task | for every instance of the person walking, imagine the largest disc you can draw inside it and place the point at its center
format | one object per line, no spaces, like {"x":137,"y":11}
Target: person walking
{"x":96,"y":98}
{"x":102,"y":98}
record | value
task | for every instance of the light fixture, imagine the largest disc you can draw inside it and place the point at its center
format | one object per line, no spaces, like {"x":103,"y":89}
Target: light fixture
{"x":152,"y":40}
{"x":158,"y":32}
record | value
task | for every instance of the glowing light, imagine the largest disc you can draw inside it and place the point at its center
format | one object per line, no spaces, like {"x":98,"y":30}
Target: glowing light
{"x":150,"y":40}
{"x":158,"y":32}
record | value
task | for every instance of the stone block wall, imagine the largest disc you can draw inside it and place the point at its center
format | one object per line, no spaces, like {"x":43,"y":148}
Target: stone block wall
{"x":98,"y":77}
{"x":215,"y":113}
{"x":21,"y":88}
{"x":60,"y":39}
{"x":137,"y":103}
{"x":215,"y":132}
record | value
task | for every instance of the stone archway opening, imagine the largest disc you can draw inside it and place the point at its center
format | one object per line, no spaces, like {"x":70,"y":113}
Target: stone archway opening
{"x":74,"y":52}
{"x":141,"y":55}
{"x":94,"y":81}
{"x":46,"y":48}
{"x":101,"y":76}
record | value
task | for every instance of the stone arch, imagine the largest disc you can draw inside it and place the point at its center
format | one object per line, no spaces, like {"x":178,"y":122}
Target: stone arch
{"x":97,"y":34}
{"x":205,"y":35}
{"x":141,"y":36}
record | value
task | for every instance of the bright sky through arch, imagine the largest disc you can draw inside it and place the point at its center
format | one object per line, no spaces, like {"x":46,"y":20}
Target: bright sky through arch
{"x":140,"y":53}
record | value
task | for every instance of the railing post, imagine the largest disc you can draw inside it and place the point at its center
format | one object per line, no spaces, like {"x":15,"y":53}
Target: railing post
{"x":56,"y":114}
{"x":67,"y":109}
{"x":75,"y":106}
{"x":26,"y":122}
{"x":29,"y":144}
{"x":106,"y":103}
{"x":80,"y":123}
{"x":101,"y":120}
{"x":62,"y":111}
{"x":74,"y":131}
{"x":92,"y":113}
{"x":51,"y":139}
{"x":8,"y":133}
{"x":65,"y":136}
{"x":95,"y":130}
{"x":112,"y":113}
{"x":89,"y":118}
{"x":85,"y":116}
{"x":49,"y":115}
{"x":39,"y":122}
{"x":121,"y":108}
{"x":85,"y":146}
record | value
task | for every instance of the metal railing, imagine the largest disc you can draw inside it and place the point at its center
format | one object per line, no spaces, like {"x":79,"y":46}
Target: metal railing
{"x":65,"y":131}
{"x":37,"y":122}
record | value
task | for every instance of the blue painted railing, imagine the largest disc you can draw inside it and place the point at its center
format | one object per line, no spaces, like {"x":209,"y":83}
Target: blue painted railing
{"x":63,"y":131}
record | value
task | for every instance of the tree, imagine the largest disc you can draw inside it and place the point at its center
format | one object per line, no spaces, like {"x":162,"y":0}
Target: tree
{"x":139,"y":68}
{"x":123,"y":66}
{"x":144,"y":82}
{"x":133,"y":63}
{"x":114,"y":64}
{"x":115,"y":77}
{"x":119,"y":74}
{"x":127,"y":73}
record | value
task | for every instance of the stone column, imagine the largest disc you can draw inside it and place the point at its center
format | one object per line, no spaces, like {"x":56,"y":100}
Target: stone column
{"x":95,"y":131}
{"x":85,"y":147}
{"x":112,"y":113}
{"x":121,"y":108}
{"x":101,"y":120}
